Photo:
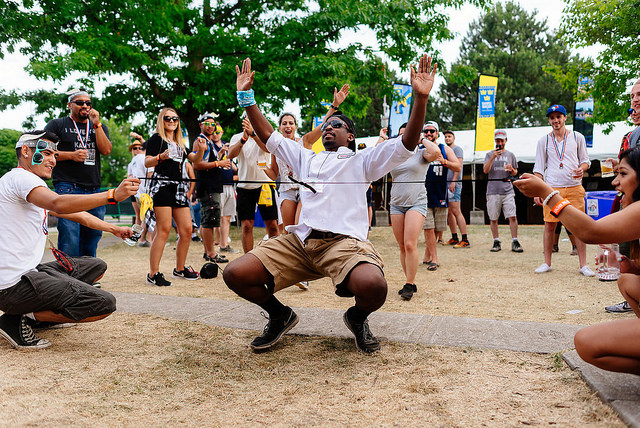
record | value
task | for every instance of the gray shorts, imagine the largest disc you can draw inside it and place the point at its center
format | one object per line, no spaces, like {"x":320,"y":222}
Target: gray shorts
{"x":395,"y":209}
{"x":51,"y":288}
{"x":228,"y":201}
{"x":436,"y":218}
{"x":506,"y":203}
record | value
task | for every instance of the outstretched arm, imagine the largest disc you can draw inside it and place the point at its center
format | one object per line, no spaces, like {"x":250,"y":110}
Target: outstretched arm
{"x":421,"y":84}
{"x":244,"y":82}
{"x":316,"y":133}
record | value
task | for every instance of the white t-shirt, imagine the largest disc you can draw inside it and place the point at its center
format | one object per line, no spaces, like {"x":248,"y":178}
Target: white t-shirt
{"x":252,"y":162}
{"x":137,"y":169}
{"x":548,"y":161}
{"x":341,"y":180}
{"x":23,"y":227}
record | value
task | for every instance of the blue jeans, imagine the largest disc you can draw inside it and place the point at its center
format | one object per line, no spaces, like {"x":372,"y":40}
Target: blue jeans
{"x":73,"y":238}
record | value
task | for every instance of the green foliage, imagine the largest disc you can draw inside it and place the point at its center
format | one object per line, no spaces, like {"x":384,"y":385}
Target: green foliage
{"x":184,"y":54}
{"x":113,"y":167}
{"x":613,"y":25}
{"x":8,"y":160}
{"x":513,"y":45}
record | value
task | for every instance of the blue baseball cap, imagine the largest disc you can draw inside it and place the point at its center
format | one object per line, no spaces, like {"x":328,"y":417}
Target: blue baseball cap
{"x":556,"y":108}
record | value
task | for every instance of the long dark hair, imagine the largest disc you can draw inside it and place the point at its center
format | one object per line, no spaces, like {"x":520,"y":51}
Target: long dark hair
{"x":633,"y":159}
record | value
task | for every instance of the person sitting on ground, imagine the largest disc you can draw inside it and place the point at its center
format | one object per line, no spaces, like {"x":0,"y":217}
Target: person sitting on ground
{"x":613,"y":345}
{"x":330,"y":239}
{"x":34,"y":294}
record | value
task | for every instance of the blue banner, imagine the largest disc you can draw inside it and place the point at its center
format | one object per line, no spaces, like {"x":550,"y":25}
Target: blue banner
{"x":399,"y":108}
{"x":583,"y":111}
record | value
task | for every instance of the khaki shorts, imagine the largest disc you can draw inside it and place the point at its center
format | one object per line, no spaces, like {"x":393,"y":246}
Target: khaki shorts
{"x":574,"y":194}
{"x":506,"y":203}
{"x":228,"y":201}
{"x":290,"y":261}
{"x":436,"y":218}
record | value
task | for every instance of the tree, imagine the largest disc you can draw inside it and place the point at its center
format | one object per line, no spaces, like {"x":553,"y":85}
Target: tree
{"x":8,"y":159}
{"x":612,"y":24}
{"x":513,"y":45}
{"x":183,"y":54}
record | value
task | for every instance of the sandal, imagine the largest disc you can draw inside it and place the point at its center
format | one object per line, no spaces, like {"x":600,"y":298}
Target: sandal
{"x":427,"y":263}
{"x":432,"y":266}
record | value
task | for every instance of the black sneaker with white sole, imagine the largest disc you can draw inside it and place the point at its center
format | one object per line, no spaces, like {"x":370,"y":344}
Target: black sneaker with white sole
{"x":186,"y":273}
{"x":17,"y":331}
{"x":365,"y":340}
{"x":496,"y":246}
{"x":274,"y":330}
{"x":158,"y":280}
{"x":516,"y":247}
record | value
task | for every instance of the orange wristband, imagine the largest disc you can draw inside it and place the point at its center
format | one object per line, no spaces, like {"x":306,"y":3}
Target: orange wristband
{"x":111,"y":196}
{"x":217,"y":164}
{"x":557,"y":208}
{"x":97,"y":126}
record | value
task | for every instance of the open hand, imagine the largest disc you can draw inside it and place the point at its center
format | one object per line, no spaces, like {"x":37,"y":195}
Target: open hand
{"x":341,"y":95}
{"x":422,"y":79}
{"x":244,"y":77}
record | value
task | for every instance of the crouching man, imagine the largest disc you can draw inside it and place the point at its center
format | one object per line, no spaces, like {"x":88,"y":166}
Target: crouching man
{"x":34,"y":294}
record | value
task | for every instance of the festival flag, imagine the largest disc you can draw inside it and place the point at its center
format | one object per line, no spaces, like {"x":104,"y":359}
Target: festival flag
{"x":486,"y":119}
{"x":583,"y":110}
{"x":399,"y":108}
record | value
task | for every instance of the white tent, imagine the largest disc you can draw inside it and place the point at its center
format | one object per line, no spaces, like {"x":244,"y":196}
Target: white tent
{"x":522,"y":142}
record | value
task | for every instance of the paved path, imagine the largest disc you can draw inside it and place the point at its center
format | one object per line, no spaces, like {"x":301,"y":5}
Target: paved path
{"x":622,"y":392}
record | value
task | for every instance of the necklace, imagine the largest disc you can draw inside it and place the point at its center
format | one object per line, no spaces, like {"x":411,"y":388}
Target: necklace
{"x":564,"y":145}
{"x":83,"y":144}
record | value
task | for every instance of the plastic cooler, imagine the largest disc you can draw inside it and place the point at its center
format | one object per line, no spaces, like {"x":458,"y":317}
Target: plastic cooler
{"x":598,"y":204}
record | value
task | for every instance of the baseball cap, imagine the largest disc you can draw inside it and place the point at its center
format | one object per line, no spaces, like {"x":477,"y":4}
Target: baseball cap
{"x":500,"y":133}
{"x":556,"y":108}
{"x":431,"y":123}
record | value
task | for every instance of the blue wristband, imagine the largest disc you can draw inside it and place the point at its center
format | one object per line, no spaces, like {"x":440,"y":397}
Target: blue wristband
{"x":246,"y":98}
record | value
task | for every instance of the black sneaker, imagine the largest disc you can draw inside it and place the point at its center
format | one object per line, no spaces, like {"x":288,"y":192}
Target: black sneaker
{"x":515,"y":247}
{"x":496,"y":247}
{"x":619,"y":307}
{"x":186,"y":273}
{"x":274,"y":330}
{"x":158,"y":279}
{"x":47,"y":325}
{"x":365,"y":340}
{"x":196,"y":238}
{"x":17,"y":331}
{"x":407,"y":291}
{"x":228,"y":249}
{"x":218,"y":258}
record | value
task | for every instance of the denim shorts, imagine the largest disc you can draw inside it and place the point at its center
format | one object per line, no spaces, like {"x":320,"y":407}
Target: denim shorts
{"x":421,"y":208}
{"x":455,"y":196}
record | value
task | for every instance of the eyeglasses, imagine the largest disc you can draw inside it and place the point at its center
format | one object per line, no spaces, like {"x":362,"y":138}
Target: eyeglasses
{"x":429,"y":131}
{"x":335,"y":124}
{"x":38,"y":157}
{"x":81,"y":103}
{"x":171,"y":118}
{"x":209,"y":123}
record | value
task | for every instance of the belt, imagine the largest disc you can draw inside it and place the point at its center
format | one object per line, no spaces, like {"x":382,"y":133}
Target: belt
{"x":319,"y":234}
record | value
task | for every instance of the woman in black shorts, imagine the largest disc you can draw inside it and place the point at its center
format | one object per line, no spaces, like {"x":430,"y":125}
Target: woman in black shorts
{"x":169,"y":189}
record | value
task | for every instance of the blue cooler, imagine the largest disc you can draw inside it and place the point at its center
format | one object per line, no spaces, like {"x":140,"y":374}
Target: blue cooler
{"x":598,"y":204}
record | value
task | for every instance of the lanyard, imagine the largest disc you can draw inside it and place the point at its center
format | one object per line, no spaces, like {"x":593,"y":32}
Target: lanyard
{"x":82,"y":143}
{"x":564,"y":145}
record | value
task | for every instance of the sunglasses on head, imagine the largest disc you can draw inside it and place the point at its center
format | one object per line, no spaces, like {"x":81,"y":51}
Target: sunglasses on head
{"x":81,"y":103}
{"x":429,"y":131}
{"x":171,"y":118}
{"x":335,"y":124}
{"x":38,"y":157}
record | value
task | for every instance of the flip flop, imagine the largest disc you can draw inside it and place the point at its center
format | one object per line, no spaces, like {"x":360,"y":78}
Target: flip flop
{"x":427,"y":263}
{"x":432,"y":266}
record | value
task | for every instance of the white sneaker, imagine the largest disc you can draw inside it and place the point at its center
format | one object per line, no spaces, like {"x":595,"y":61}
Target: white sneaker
{"x":543,"y":268}
{"x":586,"y":271}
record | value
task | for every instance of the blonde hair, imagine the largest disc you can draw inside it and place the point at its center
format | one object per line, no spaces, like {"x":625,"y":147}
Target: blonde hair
{"x":177,"y":136}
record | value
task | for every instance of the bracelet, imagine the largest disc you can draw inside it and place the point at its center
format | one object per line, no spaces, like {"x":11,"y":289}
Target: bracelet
{"x":246,"y":98}
{"x":158,"y":158}
{"x":557,"y":209}
{"x":243,"y":140}
{"x":333,"y":107}
{"x":444,"y":162}
{"x":549,"y":196}
{"x":99,"y":125}
{"x":217,"y":164}
{"x":111,"y":196}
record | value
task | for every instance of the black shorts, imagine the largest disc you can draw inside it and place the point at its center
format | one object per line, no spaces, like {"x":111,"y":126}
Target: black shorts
{"x":247,"y":201}
{"x":166,"y":197}
{"x":52,"y":288}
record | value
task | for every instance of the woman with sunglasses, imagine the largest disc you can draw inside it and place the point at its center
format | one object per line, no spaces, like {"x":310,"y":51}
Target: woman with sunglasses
{"x":169,"y":188}
{"x":612,"y":346}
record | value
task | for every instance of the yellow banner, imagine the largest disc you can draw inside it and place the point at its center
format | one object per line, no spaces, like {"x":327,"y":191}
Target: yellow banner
{"x":486,"y":119}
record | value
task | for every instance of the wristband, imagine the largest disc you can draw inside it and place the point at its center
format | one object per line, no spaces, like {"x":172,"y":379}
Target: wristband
{"x":444,"y":162}
{"x":217,"y":164}
{"x":243,"y":140}
{"x":246,"y":98}
{"x":158,"y":158}
{"x":99,"y":125}
{"x":111,"y":196}
{"x":333,"y":107}
{"x":549,"y":196}
{"x":557,"y":209}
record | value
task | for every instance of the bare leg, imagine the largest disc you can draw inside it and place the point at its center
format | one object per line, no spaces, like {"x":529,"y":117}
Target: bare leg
{"x":611,"y":346}
{"x":247,"y":235}
{"x":272,"y":228}
{"x":163,"y":227}
{"x":182,"y":217}
{"x":225,"y":225}
{"x":368,"y":285}
{"x":431,"y":252}
{"x":53,"y":317}
{"x":207,"y":240}
{"x":513,"y":226}
{"x":413,"y":222}
{"x":549,"y":230}
{"x":397,"y":226}
{"x":246,"y":276}
{"x":582,"y":251}
{"x":493,"y":224}
{"x":288,"y":211}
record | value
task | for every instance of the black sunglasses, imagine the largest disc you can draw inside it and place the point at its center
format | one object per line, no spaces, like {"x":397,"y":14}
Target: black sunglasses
{"x":138,"y":148}
{"x":171,"y":118}
{"x":81,"y":103}
{"x":335,"y":124}
{"x":429,"y":131}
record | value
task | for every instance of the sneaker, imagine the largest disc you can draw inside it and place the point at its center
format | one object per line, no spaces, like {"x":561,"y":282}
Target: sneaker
{"x":158,"y":280}
{"x":619,"y":308}
{"x":440,"y":242}
{"x":97,"y":285}
{"x":274,"y":330}
{"x":19,"y":333}
{"x":144,"y":244}
{"x":451,"y":242}
{"x":555,"y":248}
{"x":515,"y":247}
{"x":228,"y":249}
{"x":462,"y":244}
{"x":218,"y":258}
{"x":407,"y":291}
{"x":365,"y":340}
{"x":586,"y":271}
{"x":496,"y":247}
{"x":574,"y":252}
{"x":196,"y":238}
{"x":186,"y":273}
{"x":543,"y":268}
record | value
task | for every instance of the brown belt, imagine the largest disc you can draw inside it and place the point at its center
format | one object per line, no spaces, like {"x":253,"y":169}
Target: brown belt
{"x":319,"y":234}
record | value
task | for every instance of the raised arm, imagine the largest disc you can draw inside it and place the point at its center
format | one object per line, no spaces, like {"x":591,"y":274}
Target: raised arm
{"x":244,"y":82}
{"x":421,"y":84}
{"x":316,"y":133}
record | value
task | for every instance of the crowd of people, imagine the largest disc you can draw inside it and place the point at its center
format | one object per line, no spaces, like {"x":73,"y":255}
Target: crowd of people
{"x":289,"y":184}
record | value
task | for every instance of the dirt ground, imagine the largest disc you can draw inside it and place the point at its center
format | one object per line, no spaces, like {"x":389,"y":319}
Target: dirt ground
{"x":132,"y":370}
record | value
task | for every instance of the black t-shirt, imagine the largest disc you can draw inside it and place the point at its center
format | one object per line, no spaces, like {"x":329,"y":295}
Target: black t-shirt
{"x":169,"y":168}
{"x":69,"y":170}
{"x":209,"y":180}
